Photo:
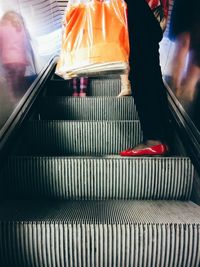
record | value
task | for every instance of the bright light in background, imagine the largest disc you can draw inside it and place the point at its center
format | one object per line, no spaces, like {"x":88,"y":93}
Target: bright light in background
{"x":8,"y":5}
{"x":49,"y":43}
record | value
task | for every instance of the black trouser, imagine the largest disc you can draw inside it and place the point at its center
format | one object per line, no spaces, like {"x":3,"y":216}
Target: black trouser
{"x":145,"y":73}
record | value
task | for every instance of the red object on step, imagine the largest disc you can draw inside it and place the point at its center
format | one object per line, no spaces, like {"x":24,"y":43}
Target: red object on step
{"x":157,"y":150}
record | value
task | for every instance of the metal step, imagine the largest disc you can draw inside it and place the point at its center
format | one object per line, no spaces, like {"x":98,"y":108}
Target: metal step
{"x":100,"y":233}
{"x":105,"y":87}
{"x":90,"y":178}
{"x":78,"y":137}
{"x":89,"y":108}
{"x":97,"y":87}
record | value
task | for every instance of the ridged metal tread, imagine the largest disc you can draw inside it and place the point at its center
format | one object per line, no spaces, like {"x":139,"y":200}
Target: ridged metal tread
{"x":111,"y":233}
{"x":100,"y":212}
{"x":88,"y":108}
{"x":97,"y":87}
{"x":78,"y":137}
{"x":90,"y":178}
{"x":105,"y":87}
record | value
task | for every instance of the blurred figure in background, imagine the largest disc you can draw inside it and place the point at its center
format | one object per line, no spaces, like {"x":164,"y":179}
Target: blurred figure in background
{"x":14,"y":47}
{"x":185,"y":32}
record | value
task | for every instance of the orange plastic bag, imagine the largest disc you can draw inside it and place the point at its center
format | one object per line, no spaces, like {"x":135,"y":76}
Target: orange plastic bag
{"x":95,"y":36}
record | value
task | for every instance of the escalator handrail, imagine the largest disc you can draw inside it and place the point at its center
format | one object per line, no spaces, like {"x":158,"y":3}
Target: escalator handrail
{"x":21,"y":110}
{"x":188,"y":132}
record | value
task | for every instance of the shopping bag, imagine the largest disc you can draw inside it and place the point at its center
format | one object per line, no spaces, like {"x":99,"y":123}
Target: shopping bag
{"x":94,"y":34}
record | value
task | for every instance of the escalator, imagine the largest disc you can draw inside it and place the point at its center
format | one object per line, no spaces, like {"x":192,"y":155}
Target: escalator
{"x":68,"y":199}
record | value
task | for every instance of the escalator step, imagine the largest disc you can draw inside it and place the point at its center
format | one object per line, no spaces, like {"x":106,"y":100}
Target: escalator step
{"x":100,"y":233}
{"x":105,"y":87}
{"x":97,"y":178}
{"x":97,"y":87}
{"x":89,"y":108}
{"x":78,"y":137}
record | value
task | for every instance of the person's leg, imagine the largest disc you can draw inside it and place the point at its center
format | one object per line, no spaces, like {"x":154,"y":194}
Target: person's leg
{"x":20,"y":80}
{"x":125,"y":85}
{"x":83,"y":86}
{"x":75,"y":86}
{"x":145,"y":73}
{"x":10,"y":81}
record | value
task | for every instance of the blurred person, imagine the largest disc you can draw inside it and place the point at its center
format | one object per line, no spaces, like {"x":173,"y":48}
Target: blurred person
{"x":14,"y":45}
{"x":184,"y":31}
{"x":146,"y":23}
{"x":7,"y":104}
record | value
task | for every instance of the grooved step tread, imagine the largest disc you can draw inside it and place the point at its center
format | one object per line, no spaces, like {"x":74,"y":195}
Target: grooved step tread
{"x":97,"y":177}
{"x":108,"y":212}
{"x":88,"y":108}
{"x":100,"y":233}
{"x":97,"y":87}
{"x":78,"y":137}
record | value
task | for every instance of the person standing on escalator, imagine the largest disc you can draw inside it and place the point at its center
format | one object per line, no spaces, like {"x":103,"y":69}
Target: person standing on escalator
{"x":15,"y":48}
{"x":146,"y":23}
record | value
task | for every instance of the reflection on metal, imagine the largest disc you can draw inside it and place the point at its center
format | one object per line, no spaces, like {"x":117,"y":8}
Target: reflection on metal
{"x":182,"y":66}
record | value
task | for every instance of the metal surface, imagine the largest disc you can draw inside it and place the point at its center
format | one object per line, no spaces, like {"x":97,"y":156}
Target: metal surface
{"x":97,"y":178}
